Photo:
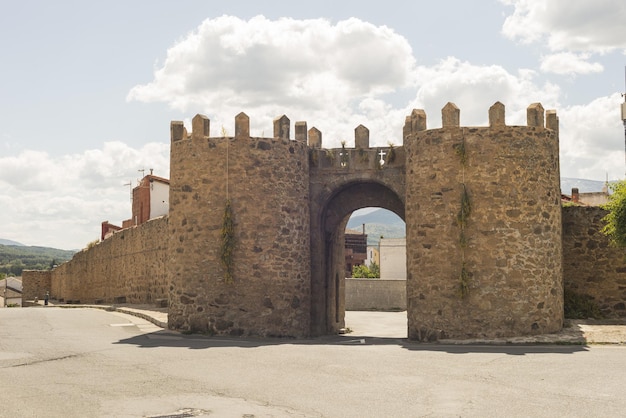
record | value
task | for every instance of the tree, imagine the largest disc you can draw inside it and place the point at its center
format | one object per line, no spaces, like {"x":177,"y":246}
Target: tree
{"x":615,"y":220}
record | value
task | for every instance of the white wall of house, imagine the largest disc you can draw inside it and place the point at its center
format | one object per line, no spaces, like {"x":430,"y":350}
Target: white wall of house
{"x":159,"y":199}
{"x":393,"y":258}
{"x":372,"y":256}
{"x":11,"y":292}
{"x":12,"y":300}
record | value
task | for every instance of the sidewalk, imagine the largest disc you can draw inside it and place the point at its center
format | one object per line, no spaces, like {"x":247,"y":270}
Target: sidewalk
{"x":575,"y":332}
{"x":393,"y":325}
{"x":158,"y":316}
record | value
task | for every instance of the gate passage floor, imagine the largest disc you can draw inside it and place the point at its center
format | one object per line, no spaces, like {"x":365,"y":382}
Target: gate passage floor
{"x":376,"y":324}
{"x":579,"y":331}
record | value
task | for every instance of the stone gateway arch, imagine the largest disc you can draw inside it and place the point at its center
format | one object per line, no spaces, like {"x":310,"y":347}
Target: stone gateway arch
{"x":481,"y":207}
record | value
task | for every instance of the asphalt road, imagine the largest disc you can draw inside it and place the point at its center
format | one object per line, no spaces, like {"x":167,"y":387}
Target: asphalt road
{"x":92,"y":363}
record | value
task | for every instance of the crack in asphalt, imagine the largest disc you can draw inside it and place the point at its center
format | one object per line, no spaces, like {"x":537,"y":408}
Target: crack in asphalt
{"x":31,"y":363}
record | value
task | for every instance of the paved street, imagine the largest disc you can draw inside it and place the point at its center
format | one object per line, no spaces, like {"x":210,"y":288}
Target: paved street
{"x":92,"y":363}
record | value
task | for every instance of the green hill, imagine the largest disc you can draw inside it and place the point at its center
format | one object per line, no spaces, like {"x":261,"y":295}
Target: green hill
{"x":15,"y":258}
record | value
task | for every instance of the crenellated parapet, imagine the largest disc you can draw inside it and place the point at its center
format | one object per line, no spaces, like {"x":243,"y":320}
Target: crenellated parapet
{"x":361,"y":155}
{"x":451,"y":116}
{"x":281,"y":125}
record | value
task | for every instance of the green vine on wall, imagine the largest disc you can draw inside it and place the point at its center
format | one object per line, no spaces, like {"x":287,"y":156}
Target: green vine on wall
{"x":228,"y":243}
{"x":465,"y":211}
{"x":462,"y":217}
{"x":464,"y":281}
{"x":461,"y":152}
{"x":391,"y":154}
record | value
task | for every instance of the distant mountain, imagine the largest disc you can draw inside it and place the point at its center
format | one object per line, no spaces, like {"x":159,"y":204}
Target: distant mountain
{"x":378,"y":222}
{"x":9,"y":242}
{"x":584,"y":186}
{"x":377,"y":216}
{"x":15,"y":258}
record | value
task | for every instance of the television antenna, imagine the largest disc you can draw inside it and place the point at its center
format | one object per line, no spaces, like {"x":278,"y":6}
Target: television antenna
{"x":130,"y":189}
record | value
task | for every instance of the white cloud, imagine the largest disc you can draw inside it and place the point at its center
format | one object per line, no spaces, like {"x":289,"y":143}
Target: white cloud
{"x":42,"y":196}
{"x":339,"y":76}
{"x":592,"y":139}
{"x":569,"y":25}
{"x":567,"y":63}
{"x":309,"y":68}
{"x":231,"y":62}
{"x":476,"y":88}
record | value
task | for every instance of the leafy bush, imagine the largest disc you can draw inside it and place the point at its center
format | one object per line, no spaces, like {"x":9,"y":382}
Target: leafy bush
{"x":365,"y":272}
{"x":615,"y":220}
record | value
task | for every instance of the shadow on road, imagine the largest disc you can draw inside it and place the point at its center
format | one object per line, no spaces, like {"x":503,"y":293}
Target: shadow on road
{"x":202,"y":342}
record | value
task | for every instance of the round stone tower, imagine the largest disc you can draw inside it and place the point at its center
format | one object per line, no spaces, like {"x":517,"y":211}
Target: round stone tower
{"x":266,"y":183}
{"x":483,"y":220}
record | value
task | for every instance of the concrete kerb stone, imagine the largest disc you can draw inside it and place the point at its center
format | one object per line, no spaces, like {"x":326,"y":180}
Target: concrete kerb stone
{"x":147,"y":315}
{"x":156,"y":317}
{"x":576,"y":332}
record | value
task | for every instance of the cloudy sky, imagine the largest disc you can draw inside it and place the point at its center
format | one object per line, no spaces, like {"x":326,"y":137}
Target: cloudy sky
{"x":88,"y":89}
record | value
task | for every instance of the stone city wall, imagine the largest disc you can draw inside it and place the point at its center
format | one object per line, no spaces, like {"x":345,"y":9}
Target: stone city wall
{"x":592,"y":267}
{"x":35,"y":284}
{"x":375,"y":294}
{"x":129,"y":266}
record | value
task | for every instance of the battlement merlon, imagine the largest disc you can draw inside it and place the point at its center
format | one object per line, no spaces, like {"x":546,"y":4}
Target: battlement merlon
{"x":200,"y":126}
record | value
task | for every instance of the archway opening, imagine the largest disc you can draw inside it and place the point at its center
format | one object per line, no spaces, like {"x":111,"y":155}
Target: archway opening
{"x":328,"y":275}
{"x":375,"y":283}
